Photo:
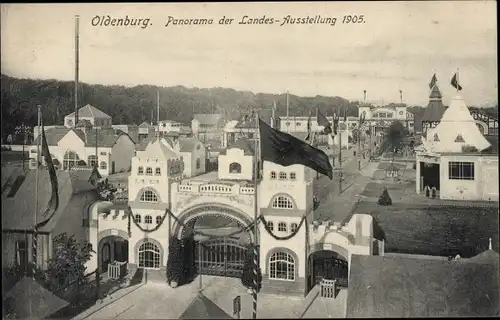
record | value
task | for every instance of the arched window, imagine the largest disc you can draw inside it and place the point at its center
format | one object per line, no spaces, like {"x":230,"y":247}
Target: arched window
{"x":282,"y":226}
{"x":137,"y":218}
{"x":282,"y":266}
{"x":270,"y":225}
{"x":282,"y":175}
{"x":149,"y":171}
{"x":158,"y":219}
{"x":235,"y":167}
{"x":70,"y":160}
{"x":158,"y":172}
{"x":149,"y":196}
{"x":293,"y":227}
{"x":92,"y":161}
{"x":140,"y":171}
{"x":293,"y":176}
{"x":198,"y":163}
{"x":273,"y":175}
{"x":282,"y":202}
{"x":103,"y":165}
{"x":148,"y":219}
{"x":149,"y":255}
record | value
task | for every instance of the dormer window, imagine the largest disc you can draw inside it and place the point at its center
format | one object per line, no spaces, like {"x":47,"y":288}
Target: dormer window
{"x":273,"y":175}
{"x":235,"y":167}
{"x":140,"y":171}
{"x":282,"y":175}
{"x":459,"y":138}
{"x":436,"y":137}
{"x":149,"y":171}
{"x":158,"y":172}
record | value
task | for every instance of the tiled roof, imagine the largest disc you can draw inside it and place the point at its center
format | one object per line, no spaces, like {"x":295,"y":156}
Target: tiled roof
{"x":32,"y":301}
{"x":203,"y":308}
{"x":89,"y":111}
{"x":187,"y":144}
{"x":208,"y":119}
{"x":17,"y":212}
{"x":384,"y":287}
{"x":241,"y":144}
{"x":434,"y":111}
{"x":106,"y":137}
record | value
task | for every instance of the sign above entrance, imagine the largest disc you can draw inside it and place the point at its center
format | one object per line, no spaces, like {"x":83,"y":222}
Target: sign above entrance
{"x":327,"y":246}
{"x":114,"y":232}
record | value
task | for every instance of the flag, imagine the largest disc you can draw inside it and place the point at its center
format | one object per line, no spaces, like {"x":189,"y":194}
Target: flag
{"x":362,"y":119}
{"x":283,"y":149}
{"x":54,"y":198}
{"x":308,"y":127}
{"x":323,"y":121}
{"x":433,"y":81}
{"x":94,"y":176}
{"x":335,"y":124}
{"x":345,"y":116}
{"x":454,"y":82}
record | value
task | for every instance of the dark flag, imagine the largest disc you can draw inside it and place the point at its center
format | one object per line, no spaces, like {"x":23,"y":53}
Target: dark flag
{"x":54,"y":198}
{"x":323,"y":121}
{"x":308,"y":127}
{"x":433,"y":81}
{"x":345,"y":116}
{"x":454,"y":82}
{"x":335,"y":124}
{"x":94,"y":176}
{"x":284,"y":149}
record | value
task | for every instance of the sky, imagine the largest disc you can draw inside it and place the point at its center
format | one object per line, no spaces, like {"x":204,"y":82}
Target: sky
{"x":399,"y":46}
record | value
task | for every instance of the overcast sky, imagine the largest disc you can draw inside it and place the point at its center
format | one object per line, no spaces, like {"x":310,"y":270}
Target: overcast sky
{"x":400,"y":46}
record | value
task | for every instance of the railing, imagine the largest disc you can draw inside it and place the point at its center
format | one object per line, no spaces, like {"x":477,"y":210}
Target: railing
{"x":327,"y":288}
{"x":117,"y":269}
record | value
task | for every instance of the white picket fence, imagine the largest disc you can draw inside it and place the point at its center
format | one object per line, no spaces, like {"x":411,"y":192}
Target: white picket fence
{"x":327,"y":288}
{"x":117,"y":269}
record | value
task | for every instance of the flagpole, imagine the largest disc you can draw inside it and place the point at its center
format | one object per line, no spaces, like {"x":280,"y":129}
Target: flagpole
{"x":35,"y":237}
{"x":287,"y":113}
{"x":158,"y":111}
{"x":458,"y":79}
{"x":256,"y":208}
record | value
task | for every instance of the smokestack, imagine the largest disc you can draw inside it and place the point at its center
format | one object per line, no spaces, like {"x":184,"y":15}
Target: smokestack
{"x":77,"y":31}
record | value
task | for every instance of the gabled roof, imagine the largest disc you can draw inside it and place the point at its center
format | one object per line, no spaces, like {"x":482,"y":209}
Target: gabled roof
{"x":208,"y":119}
{"x":106,"y":137}
{"x":32,"y":301}
{"x":384,"y":287}
{"x":187,"y":144}
{"x":89,"y":111}
{"x":145,"y":125}
{"x":157,"y":148}
{"x":17,"y":212}
{"x":241,"y":144}
{"x":203,"y":308}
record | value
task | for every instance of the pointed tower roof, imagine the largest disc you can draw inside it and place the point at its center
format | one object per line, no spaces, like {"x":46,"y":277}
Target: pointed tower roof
{"x":456,"y":129}
{"x":435,"y":108}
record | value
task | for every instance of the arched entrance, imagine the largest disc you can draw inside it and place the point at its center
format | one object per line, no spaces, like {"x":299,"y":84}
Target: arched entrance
{"x":149,"y":255}
{"x":215,"y":240}
{"x":330,"y":265}
{"x":112,"y":248}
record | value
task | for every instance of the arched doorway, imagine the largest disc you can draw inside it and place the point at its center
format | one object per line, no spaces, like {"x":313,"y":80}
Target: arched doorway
{"x":330,"y":265}
{"x":149,"y":256}
{"x":112,"y":248}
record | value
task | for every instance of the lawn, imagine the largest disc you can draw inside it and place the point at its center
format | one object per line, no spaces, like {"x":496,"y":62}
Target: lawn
{"x":435,"y":230}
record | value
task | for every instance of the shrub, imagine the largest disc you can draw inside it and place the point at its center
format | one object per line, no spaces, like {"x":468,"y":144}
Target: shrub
{"x":385,"y":199}
{"x":248,"y":266}
{"x":175,"y":261}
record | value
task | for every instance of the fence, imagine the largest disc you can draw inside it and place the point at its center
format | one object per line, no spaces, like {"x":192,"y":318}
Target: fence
{"x":117,"y":269}
{"x":327,"y":288}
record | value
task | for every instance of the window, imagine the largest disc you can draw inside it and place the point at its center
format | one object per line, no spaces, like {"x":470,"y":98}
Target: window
{"x":21,"y":253}
{"x":293,"y":176}
{"x":148,"y":219}
{"x":436,"y":138}
{"x":273,"y":175}
{"x":299,"y":124}
{"x":103,"y":165}
{"x":282,"y":266}
{"x":459,"y":138}
{"x":282,"y":175}
{"x":461,"y":170}
{"x":149,"y":171}
{"x":293,"y":227}
{"x":198,"y":163}
{"x":270,"y":225}
{"x":140,"y":171}
{"x":70,"y":160}
{"x":158,"y":172}
{"x":92,"y":161}
{"x":149,"y":196}
{"x":235,"y":167}
{"x":137,"y":218}
{"x":282,"y":227}
{"x":282,"y":202}
{"x":158,"y":219}
{"x":149,"y":255}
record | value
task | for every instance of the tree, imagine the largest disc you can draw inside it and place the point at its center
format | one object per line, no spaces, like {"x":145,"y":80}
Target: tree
{"x":385,"y":199}
{"x":394,"y":136}
{"x":68,"y":263}
{"x":174,"y":262}
{"x":247,"y":276}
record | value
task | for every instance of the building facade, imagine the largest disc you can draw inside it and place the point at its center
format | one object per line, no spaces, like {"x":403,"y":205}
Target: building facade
{"x":90,"y":113}
{"x":379,"y":118}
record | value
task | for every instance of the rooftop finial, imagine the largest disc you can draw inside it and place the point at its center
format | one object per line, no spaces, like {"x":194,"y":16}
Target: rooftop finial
{"x":489,"y":245}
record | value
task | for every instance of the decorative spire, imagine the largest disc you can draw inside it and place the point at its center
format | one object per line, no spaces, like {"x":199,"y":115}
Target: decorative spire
{"x":435,"y":93}
{"x":489,"y":246}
